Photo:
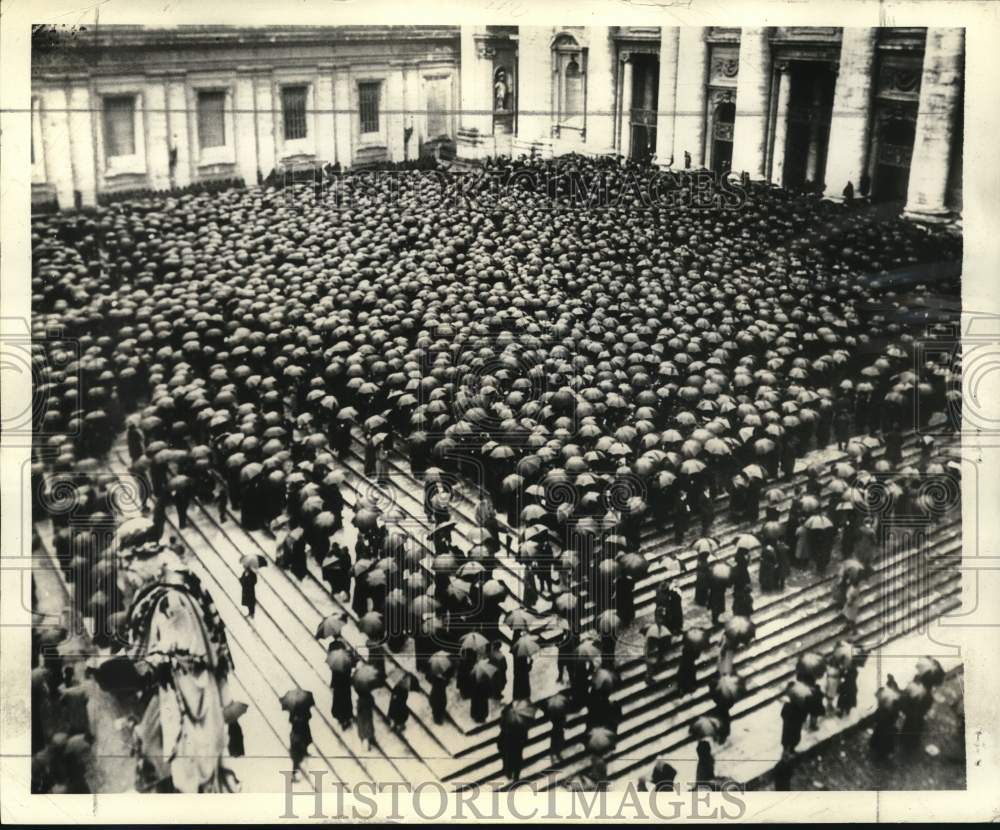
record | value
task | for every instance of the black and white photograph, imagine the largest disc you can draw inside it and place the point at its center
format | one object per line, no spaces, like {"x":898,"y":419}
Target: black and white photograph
{"x":589,"y":412}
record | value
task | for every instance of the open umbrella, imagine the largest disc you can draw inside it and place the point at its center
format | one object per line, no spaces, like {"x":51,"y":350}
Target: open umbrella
{"x":705,"y":727}
{"x":600,"y":740}
{"x":439,"y":664}
{"x":372,"y":625}
{"x":340,"y":660}
{"x":519,"y":620}
{"x":297,"y":700}
{"x":607,"y":623}
{"x":253,"y":561}
{"x":366,"y":678}
{"x":747,"y":541}
{"x":233,"y":711}
{"x":929,"y":672}
{"x":634,"y":564}
{"x":525,"y":646}
{"x":810,"y":664}
{"x":474,"y":641}
{"x":331,"y":626}
{"x":483,"y":671}
{"x":739,"y":630}
{"x":518,"y":713}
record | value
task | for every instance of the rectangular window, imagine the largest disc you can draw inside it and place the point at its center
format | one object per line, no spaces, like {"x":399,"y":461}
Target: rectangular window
{"x":293,"y":104}
{"x":119,"y":126}
{"x":211,"y":119}
{"x":368,"y":95}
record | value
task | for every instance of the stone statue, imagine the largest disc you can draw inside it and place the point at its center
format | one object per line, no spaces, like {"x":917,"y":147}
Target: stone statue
{"x":500,"y":90}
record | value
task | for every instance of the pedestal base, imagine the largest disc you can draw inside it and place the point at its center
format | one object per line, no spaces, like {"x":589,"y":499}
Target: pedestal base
{"x":472,"y":144}
{"x":931,"y":216}
{"x":524,"y":146}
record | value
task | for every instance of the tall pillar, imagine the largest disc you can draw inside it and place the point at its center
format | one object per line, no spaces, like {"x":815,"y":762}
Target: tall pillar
{"x":752,"y":93}
{"x":394,"y":113}
{"x":689,"y":119}
{"x":157,"y":147}
{"x":534,"y":117}
{"x":781,"y":124}
{"x":326,"y":150}
{"x":475,"y":130}
{"x":266,"y":144}
{"x":342,"y":116}
{"x":812,"y":149}
{"x":180,"y":137}
{"x":81,"y":136}
{"x":412,"y":115}
{"x":55,"y":139}
{"x":600,"y":91}
{"x":847,"y":148}
{"x":940,"y":87}
{"x":667,"y":96}
{"x":626,"y":70}
{"x":245,"y":126}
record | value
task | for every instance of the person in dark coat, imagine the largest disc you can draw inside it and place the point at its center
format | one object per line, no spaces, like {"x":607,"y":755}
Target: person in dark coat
{"x":498,"y":660}
{"x":236,"y":747}
{"x":299,"y":740}
{"x":716,"y":599}
{"x":681,"y":516}
{"x":399,"y":710}
{"x":439,"y":698}
{"x":159,"y":516}
{"x":463,"y":673}
{"x":702,"y":580}
{"x":894,"y":445}
{"x":510,"y":743}
{"x":580,"y":672}
{"x":364,"y":717}
{"x":842,"y":427}
{"x":884,"y":733}
{"x":706,"y":510}
{"x":789,"y":454}
{"x":768,"y":574}
{"x":847,"y":693}
{"x":783,"y":772}
{"x":793,"y":718}
{"x":687,"y":678}
{"x":136,"y":445}
{"x":557,"y":740}
{"x":741,"y":571}
{"x":568,"y":642}
{"x":669,"y":608}
{"x":743,"y":602}
{"x":342,"y":707}
{"x":705,"y":769}
{"x":522,"y":678}
{"x":479,"y":703}
{"x":248,"y":584}
{"x":625,"y":598}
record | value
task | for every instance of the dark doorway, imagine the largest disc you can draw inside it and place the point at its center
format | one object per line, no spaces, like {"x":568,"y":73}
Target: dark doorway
{"x":810,"y":108}
{"x":722,"y":137}
{"x":645,"y":92}
{"x":893,"y":151}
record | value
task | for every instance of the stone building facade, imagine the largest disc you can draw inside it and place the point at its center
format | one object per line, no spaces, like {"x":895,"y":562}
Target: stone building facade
{"x":130,"y":108}
{"x":802,"y":107}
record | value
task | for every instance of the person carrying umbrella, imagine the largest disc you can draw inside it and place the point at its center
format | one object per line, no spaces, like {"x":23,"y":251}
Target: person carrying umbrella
{"x":661,"y":779}
{"x":556,"y":707}
{"x":705,"y":768}
{"x":341,"y":662}
{"x":336,"y":570}
{"x":480,"y":692}
{"x":248,"y":587}
{"x":136,"y":444}
{"x":718,"y":583}
{"x":694,"y":643}
{"x":682,"y":516}
{"x":789,"y":454}
{"x":657,"y":642}
{"x":498,"y":660}
{"x":399,"y":710}
{"x":515,"y":718}
{"x":884,"y":732}
{"x":298,"y":703}
{"x":523,"y":649}
{"x":706,"y":509}
{"x":365,"y":679}
{"x":438,"y":670}
{"x":232,"y":712}
{"x":669,"y":608}
{"x":852,"y":606}
{"x":702,"y":579}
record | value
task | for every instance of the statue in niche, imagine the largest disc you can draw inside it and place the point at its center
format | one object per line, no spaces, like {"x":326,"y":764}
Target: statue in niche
{"x":501,"y":90}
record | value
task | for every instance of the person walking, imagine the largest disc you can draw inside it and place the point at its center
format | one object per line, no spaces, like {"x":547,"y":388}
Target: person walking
{"x":248,"y":586}
{"x":399,"y":710}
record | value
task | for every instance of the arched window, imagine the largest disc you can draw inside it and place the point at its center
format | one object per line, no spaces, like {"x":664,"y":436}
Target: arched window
{"x":570,"y":69}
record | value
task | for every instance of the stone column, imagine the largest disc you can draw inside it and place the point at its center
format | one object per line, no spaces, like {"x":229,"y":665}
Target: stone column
{"x":180,"y":137}
{"x":266,"y":145}
{"x":81,"y":135}
{"x":625,"y":123}
{"x":667,"y":97}
{"x":781,"y":123}
{"x":475,"y":129}
{"x":812,"y":151}
{"x":245,"y":126}
{"x":55,"y":140}
{"x":534,"y":118}
{"x":689,"y":119}
{"x":940,"y":88}
{"x":847,"y":149}
{"x":752,"y":93}
{"x":158,"y":145}
{"x":600,"y":91}
{"x":342,"y":116}
{"x":326,"y":149}
{"x":413,"y":116}
{"x":394,"y":112}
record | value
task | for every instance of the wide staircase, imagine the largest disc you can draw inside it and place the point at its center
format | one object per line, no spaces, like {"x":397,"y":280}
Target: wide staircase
{"x":277,"y":650}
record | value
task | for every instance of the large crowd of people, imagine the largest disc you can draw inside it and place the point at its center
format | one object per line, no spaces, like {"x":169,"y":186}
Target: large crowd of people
{"x":588,"y":373}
